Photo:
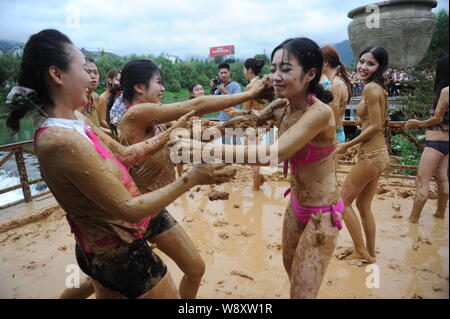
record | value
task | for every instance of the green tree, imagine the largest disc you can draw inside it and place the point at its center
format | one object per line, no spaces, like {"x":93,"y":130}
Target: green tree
{"x":9,"y":68}
{"x":417,"y":105}
{"x":439,"y":42}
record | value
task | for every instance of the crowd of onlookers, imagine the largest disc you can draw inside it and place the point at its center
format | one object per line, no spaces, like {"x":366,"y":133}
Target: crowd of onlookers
{"x":399,"y":81}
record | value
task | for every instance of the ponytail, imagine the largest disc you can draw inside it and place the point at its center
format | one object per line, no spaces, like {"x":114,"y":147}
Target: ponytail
{"x":42,"y":50}
{"x":322,"y":94}
{"x":344,"y":75}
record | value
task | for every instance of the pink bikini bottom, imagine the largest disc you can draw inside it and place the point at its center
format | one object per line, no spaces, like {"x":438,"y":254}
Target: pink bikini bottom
{"x":304,"y":212}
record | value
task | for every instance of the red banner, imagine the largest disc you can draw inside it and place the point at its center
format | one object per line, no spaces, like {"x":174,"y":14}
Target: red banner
{"x":223,"y":50}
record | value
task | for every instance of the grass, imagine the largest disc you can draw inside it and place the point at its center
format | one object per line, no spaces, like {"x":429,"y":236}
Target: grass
{"x":183,"y":95}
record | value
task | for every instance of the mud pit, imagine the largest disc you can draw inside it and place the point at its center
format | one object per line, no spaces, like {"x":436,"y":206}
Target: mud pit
{"x":240,"y":242}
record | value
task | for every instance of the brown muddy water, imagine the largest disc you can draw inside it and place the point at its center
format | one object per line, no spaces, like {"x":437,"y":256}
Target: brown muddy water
{"x":240,"y":242}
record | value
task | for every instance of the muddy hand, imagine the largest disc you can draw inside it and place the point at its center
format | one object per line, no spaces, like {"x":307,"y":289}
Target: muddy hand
{"x":185,"y":121}
{"x":267,"y":113}
{"x":412,"y":124}
{"x":277,"y":104}
{"x":341,"y":148}
{"x":185,"y":147}
{"x":262,"y":88}
{"x":241,"y":122}
{"x":213,"y":173}
{"x":235,"y":112}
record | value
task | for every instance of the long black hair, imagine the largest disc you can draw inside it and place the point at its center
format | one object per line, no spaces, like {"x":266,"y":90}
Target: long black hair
{"x":381,"y":55}
{"x":309,"y":56}
{"x":441,"y":80}
{"x":44,"y":49}
{"x":134,"y":72}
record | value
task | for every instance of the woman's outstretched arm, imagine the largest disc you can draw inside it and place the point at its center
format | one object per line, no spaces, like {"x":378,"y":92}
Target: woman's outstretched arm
{"x":72,"y":159}
{"x":139,"y":152}
{"x":148,"y":114}
{"x":441,"y":108}
{"x":296,"y":137}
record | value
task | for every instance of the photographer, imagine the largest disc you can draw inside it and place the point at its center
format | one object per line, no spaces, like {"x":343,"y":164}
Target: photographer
{"x":221,"y":85}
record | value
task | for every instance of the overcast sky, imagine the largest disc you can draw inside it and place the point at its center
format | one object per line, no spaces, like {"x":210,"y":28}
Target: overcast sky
{"x":179,"y":27}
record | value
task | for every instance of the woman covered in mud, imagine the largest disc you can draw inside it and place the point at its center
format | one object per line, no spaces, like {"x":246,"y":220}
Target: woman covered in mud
{"x":340,"y":85}
{"x":373,"y":156}
{"x":306,"y":143}
{"x":434,"y":160}
{"x":85,"y":170}
{"x":145,"y":117}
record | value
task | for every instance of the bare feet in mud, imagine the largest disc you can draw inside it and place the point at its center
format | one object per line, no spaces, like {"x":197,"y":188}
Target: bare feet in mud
{"x":363,"y":257}
{"x":349,"y":254}
{"x":413,"y":220}
{"x":258,"y":181}
{"x":441,"y":216}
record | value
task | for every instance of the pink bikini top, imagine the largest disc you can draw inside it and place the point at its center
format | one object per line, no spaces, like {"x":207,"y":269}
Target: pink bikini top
{"x":309,"y":153}
{"x":85,"y":237}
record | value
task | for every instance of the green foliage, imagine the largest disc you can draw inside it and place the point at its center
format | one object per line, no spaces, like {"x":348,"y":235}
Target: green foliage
{"x":106,"y":63}
{"x":439,"y":42}
{"x":417,"y":105}
{"x":409,"y":154}
{"x":9,"y":68}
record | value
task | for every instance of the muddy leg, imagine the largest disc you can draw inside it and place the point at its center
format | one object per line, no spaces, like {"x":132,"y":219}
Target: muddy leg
{"x":364,"y":203}
{"x":258,"y":179}
{"x":428,"y":162}
{"x":442,"y":182}
{"x":180,"y":169}
{"x":85,"y":290}
{"x":176,"y":244}
{"x":313,"y":253}
{"x":292,"y":230}
{"x":354,"y":184}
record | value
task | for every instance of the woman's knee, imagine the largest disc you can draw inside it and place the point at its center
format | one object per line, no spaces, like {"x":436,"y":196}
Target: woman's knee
{"x":196,"y":269}
{"x":363,"y":205}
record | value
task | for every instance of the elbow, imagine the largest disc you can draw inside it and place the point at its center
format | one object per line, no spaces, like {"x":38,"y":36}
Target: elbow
{"x":128,"y":160}
{"x":436,"y":120}
{"x":125,"y":210}
{"x":126,"y":215}
{"x":282,"y":154}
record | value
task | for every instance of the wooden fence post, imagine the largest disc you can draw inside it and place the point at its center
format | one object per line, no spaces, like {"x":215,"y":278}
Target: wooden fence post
{"x":23,"y":174}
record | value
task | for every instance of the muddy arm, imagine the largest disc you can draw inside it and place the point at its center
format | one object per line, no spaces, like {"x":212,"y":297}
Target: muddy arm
{"x":295,"y":138}
{"x":139,"y":152}
{"x":441,"y":108}
{"x":148,"y":114}
{"x":73,"y":159}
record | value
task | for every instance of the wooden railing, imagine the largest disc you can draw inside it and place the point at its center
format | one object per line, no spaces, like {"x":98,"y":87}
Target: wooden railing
{"x":17,"y":150}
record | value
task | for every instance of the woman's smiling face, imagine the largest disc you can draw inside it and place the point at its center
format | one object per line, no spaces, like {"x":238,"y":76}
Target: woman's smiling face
{"x":366,"y":67}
